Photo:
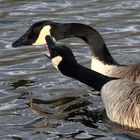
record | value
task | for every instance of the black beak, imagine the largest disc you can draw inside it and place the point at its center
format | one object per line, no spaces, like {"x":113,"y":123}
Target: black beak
{"x":50,"y":42}
{"x":47,"y":56}
{"x":22,"y":41}
{"x":19,"y":42}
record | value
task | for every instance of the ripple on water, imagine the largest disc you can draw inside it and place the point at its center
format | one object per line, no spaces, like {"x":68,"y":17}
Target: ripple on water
{"x":36,"y":101}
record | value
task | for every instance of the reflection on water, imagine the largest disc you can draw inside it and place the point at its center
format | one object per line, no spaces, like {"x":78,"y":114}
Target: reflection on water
{"x":22,"y":83}
{"x":38,"y":102}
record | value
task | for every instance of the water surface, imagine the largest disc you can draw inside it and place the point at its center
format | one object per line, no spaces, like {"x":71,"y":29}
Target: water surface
{"x":38,"y":102}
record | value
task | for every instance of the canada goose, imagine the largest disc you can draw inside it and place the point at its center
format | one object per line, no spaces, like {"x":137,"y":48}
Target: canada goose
{"x":121,"y":97}
{"x":102,"y":61}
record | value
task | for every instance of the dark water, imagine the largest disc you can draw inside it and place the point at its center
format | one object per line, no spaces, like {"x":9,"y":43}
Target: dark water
{"x":39,"y":103}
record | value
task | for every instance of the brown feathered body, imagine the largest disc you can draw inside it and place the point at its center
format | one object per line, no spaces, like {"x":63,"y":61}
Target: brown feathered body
{"x":122,"y":102}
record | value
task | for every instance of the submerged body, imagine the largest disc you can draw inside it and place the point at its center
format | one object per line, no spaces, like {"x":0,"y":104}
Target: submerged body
{"x":121,"y":97}
{"x":101,"y":61}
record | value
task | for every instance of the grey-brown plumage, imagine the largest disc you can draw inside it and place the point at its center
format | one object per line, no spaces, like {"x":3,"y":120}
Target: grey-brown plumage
{"x":122,"y":102}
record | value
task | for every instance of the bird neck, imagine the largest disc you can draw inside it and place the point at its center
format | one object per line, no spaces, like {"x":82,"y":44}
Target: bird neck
{"x":91,"y":37}
{"x":90,"y":77}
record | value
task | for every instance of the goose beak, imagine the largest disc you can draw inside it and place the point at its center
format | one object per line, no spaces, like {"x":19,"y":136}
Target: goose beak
{"x":22,"y":41}
{"x":50,"y":42}
{"x":49,"y":46}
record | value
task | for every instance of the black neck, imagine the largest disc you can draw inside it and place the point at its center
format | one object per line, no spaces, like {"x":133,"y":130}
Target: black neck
{"x":90,"y":36}
{"x":86,"y":76}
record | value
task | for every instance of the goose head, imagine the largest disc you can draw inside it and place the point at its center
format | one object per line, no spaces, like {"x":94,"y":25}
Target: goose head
{"x":62,"y":57}
{"x":36,"y":34}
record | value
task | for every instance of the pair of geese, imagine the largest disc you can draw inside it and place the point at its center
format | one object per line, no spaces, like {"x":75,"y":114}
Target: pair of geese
{"x":119,"y":84}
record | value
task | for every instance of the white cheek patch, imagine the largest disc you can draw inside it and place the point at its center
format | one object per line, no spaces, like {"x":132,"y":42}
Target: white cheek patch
{"x":56,"y":61}
{"x":43,"y":33}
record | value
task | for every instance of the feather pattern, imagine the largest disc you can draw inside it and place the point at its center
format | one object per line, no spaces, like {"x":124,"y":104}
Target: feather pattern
{"x":122,"y":102}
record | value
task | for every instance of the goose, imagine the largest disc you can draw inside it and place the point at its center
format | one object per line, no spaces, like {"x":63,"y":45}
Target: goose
{"x":121,"y":97}
{"x":101,"y":61}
